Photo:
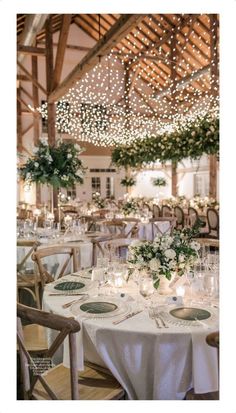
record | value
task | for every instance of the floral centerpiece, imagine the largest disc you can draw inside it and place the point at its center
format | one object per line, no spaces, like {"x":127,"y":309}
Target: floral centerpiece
{"x":159,"y":181}
{"x":57,"y":165}
{"x":98,"y":201}
{"x":130,"y":207}
{"x":203,"y":202}
{"x":166,"y":255}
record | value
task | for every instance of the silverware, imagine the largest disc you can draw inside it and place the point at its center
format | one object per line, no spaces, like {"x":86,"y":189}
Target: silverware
{"x":157,"y":322}
{"x":162,"y":321}
{"x":74,"y":301}
{"x":127,"y":316}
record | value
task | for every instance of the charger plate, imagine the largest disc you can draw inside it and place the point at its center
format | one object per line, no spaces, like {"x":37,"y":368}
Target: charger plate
{"x":191,"y":316}
{"x":69,"y":285}
{"x":100,"y":307}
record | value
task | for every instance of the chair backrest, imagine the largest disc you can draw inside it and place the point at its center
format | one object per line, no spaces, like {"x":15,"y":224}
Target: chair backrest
{"x":67,"y":327}
{"x":193,"y":216}
{"x":115,"y":227}
{"x":213,"y":220}
{"x":147,"y":206}
{"x":166,"y":211}
{"x":156,"y":227}
{"x":179,"y":214}
{"x":71,"y":256}
{"x":32,"y":245}
{"x":213,"y":340}
{"x":118,"y":247}
{"x":156,"y":211}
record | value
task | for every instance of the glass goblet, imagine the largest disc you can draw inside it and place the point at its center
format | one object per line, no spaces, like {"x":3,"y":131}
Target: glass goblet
{"x":146,"y":288}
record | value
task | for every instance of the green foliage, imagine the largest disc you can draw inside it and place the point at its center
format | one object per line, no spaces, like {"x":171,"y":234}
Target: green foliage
{"x":127,"y":181}
{"x":57,"y":165}
{"x":189,"y":141}
{"x":159,"y":181}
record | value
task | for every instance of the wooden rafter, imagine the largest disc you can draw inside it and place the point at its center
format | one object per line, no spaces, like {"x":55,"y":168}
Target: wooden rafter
{"x":29,"y":50}
{"x":117,"y":32}
{"x":27,"y":129}
{"x":31,"y":78}
{"x":66,"y":20}
{"x":146,"y":100}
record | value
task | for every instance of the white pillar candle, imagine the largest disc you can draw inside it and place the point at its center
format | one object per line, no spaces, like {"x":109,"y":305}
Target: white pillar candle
{"x":180,"y":291}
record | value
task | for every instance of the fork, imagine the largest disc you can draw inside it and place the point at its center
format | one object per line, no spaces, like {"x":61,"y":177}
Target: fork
{"x":162,"y":321}
{"x":153,"y":317}
{"x":67,"y":305}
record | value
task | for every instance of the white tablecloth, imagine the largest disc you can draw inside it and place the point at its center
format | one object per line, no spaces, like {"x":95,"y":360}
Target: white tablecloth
{"x":147,"y":231}
{"x":150,"y":363}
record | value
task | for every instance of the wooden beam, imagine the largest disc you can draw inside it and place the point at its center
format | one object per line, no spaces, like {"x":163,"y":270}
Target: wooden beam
{"x":66,"y":20}
{"x":31,"y":78}
{"x":23,"y":102}
{"x":34,"y":63}
{"x":164,"y":39}
{"x":30,"y":50}
{"x":146,"y":100}
{"x":23,"y":90}
{"x":27,"y":129}
{"x":19,"y":122}
{"x":119,"y":30}
{"x":23,"y":78}
{"x":50,"y":83}
{"x":134,"y":78}
{"x":173,"y":55}
{"x":174,"y":178}
{"x":180,"y":84}
{"x":71,"y":47}
{"x":214,"y":92}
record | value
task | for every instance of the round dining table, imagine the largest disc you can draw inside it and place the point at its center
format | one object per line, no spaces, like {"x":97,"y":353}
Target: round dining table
{"x":151,"y":360}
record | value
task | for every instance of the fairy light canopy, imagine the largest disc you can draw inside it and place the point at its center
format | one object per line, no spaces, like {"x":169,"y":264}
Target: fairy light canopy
{"x":165,"y":70}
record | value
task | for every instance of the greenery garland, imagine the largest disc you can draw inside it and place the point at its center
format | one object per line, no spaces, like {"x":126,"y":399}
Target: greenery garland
{"x":190,"y":141}
{"x":57,"y":165}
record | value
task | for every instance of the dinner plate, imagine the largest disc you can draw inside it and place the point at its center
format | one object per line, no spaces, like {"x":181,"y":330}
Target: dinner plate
{"x":100,"y":307}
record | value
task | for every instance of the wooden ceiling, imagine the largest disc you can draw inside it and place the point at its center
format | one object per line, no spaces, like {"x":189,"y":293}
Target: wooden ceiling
{"x":153,"y":45}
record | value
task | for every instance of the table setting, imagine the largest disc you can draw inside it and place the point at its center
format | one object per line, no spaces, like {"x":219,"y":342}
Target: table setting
{"x":123,"y":324}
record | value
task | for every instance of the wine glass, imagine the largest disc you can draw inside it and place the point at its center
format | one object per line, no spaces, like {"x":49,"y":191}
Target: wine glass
{"x":146,"y":288}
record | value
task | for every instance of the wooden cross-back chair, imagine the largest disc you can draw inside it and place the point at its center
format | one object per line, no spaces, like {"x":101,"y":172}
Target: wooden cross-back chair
{"x":115,"y":227}
{"x":156,"y":229}
{"x":29,"y":282}
{"x":118,"y":247}
{"x":59,"y":382}
{"x":71,"y":256}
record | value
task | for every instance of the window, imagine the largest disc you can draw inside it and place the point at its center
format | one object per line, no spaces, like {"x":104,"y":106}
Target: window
{"x":96,"y":184}
{"x":201,"y":184}
{"x":109,"y":187}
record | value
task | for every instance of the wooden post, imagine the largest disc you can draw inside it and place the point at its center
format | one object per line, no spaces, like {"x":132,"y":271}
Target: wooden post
{"x":173,"y":54}
{"x":214,"y":92}
{"x":174,"y":178}
{"x":50,"y":82}
{"x":19,"y":123}
{"x":34,"y":61}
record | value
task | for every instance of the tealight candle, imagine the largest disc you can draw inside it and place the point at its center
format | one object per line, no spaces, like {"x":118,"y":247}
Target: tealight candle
{"x":180,"y":291}
{"x":118,"y":281}
{"x":50,"y":216}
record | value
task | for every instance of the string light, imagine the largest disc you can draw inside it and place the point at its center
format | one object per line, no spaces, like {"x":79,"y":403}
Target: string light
{"x":102,"y":109}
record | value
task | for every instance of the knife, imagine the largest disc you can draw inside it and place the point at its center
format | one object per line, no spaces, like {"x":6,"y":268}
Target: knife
{"x":66,"y":294}
{"x":127,"y":316}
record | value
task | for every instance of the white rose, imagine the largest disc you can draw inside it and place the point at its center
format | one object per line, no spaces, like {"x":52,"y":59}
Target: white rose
{"x":212,"y":128}
{"x":181,"y":258}
{"x":169,"y":253}
{"x":69,"y":156}
{"x":193,"y":133}
{"x":195,"y":245}
{"x":36,"y":164}
{"x":154,"y":264}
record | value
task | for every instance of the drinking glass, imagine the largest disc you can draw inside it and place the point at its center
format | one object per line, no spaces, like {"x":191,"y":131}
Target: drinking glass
{"x":146,"y":288}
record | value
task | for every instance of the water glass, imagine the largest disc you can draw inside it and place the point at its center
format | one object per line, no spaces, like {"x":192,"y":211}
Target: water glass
{"x":146,"y":287}
{"x":211,"y":284}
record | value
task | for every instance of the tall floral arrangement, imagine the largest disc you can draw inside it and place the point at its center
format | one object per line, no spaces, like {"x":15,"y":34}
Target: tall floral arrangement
{"x":98,"y":201}
{"x":128,"y":182}
{"x":165,"y":255}
{"x":130,"y":207}
{"x":57,"y":165}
